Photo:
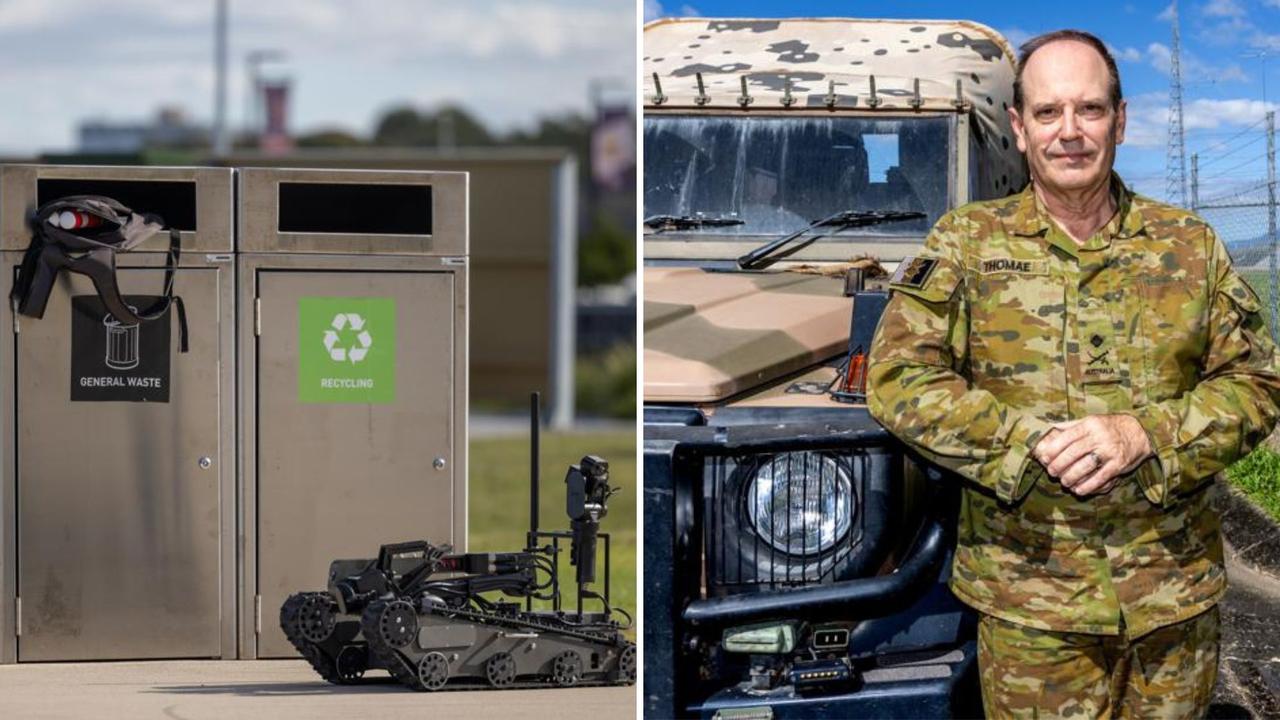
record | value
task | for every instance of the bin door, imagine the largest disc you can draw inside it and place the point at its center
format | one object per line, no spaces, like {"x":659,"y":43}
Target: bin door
{"x":118,"y":518}
{"x":355,"y":397}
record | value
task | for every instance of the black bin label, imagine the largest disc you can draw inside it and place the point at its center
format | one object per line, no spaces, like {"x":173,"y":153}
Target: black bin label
{"x":118,"y":361}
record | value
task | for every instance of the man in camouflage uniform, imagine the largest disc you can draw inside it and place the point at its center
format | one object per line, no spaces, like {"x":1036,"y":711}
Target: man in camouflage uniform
{"x":1088,"y":358}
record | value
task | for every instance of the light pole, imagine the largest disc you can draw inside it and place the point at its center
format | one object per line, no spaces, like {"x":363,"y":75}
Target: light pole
{"x":221,"y":138}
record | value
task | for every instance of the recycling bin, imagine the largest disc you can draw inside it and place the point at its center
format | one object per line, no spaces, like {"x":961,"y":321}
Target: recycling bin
{"x":117,"y":457}
{"x":353,"y":382}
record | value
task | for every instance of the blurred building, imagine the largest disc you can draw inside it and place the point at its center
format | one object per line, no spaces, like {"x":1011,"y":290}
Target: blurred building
{"x":170,"y":129}
{"x":606,"y":316}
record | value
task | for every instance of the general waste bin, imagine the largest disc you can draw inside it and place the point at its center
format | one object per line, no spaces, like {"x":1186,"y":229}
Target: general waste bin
{"x":117,"y":510}
{"x":353,"y":355}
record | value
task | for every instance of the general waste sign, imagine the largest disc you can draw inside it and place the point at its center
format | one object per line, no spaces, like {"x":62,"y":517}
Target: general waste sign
{"x":115,"y":361}
{"x":346,"y":350}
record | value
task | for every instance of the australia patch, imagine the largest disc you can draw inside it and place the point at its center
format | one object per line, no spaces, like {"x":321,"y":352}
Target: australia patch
{"x":1099,"y":361}
{"x":914,"y":271}
{"x":1015,"y":265}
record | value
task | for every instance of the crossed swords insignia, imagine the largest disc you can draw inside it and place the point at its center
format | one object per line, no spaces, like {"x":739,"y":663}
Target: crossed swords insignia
{"x":1097,"y":341}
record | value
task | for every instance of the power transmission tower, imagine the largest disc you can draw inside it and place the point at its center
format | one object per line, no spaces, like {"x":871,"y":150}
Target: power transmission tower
{"x":1271,"y":223}
{"x":1176,"y":156}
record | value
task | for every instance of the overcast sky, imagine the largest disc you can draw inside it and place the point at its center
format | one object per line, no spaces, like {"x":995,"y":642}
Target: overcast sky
{"x":1223,"y":47}
{"x":507,"y":61}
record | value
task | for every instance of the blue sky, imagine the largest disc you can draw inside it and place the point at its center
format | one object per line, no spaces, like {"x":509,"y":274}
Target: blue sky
{"x":1222,"y":70}
{"x":507,"y":61}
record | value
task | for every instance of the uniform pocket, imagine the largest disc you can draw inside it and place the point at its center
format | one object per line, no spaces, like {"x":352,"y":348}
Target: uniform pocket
{"x":1174,"y":314}
{"x":1015,"y":327}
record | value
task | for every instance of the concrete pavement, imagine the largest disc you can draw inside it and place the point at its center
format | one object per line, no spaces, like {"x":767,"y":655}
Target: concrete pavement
{"x":275,"y":689}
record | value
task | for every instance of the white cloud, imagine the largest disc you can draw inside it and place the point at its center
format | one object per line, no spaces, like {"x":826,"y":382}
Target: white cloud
{"x":1166,"y":15}
{"x":1148,"y":117}
{"x":1193,"y":68}
{"x":1128,"y":54}
{"x":1016,"y":36}
{"x":654,"y":9}
{"x":1223,"y":8}
{"x":510,"y":61}
{"x":1161,"y":56}
{"x":1264,"y":41}
{"x":1229,"y":32}
{"x":21,"y":14}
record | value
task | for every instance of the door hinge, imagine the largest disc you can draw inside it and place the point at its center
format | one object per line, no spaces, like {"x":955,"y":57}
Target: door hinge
{"x":257,"y":316}
{"x":17,"y":617}
{"x":257,"y":614}
{"x":453,"y":261}
{"x":219,"y":258}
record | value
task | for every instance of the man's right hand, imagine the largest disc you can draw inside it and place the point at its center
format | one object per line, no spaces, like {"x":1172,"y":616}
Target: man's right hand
{"x":1088,"y":456}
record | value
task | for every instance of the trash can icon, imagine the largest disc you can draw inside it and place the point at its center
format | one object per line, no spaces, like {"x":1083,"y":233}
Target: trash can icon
{"x":122,"y":342}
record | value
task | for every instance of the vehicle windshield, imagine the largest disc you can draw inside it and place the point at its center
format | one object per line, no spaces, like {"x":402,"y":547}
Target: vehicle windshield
{"x":777,"y":174}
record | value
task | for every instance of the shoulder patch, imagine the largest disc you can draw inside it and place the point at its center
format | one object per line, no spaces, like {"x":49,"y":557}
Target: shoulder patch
{"x":914,"y":272}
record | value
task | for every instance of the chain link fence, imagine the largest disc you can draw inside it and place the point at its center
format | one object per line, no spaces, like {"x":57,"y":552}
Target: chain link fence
{"x":1244,"y":219}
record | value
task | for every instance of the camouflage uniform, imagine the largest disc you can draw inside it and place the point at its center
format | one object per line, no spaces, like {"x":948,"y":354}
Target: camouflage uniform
{"x":1167,"y":673}
{"x":1005,"y":326}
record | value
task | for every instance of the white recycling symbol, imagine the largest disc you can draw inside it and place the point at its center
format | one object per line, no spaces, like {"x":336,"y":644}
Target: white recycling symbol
{"x":359,"y":349}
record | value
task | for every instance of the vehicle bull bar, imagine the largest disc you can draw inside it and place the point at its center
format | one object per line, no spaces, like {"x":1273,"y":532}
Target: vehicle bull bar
{"x":858,"y":598}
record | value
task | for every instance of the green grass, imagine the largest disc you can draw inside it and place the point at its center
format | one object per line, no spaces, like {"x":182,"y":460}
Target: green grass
{"x":499,"y":503}
{"x":1258,"y":475}
{"x":1260,"y":281}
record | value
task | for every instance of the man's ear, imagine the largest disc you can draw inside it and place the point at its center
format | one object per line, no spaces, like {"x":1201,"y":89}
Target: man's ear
{"x":1121,"y":116}
{"x":1019,"y":132}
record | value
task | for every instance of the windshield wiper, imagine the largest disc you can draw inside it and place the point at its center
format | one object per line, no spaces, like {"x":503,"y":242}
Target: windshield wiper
{"x":775,"y":250}
{"x":662,"y":223}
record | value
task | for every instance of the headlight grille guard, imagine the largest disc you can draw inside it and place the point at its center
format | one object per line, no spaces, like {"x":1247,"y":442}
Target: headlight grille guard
{"x":739,"y":558}
{"x":858,"y":598}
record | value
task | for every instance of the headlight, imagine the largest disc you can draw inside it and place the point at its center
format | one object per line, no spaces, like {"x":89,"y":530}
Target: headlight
{"x":799,"y":502}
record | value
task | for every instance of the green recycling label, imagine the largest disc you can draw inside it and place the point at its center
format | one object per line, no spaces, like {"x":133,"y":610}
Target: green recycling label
{"x":346,"y":350}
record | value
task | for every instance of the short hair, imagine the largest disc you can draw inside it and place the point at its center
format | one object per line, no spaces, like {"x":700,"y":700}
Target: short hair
{"x":1031,"y":46}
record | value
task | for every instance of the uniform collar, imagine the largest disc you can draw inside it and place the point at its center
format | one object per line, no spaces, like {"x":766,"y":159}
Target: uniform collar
{"x":1029,"y":218}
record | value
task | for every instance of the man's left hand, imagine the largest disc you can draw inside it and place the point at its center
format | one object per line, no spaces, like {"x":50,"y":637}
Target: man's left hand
{"x":1088,"y":456}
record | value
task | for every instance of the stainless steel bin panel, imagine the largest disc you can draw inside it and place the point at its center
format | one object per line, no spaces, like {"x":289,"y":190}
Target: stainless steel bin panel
{"x":338,"y":480}
{"x":118,"y":522}
{"x":211,"y":190}
{"x":259,"y":221}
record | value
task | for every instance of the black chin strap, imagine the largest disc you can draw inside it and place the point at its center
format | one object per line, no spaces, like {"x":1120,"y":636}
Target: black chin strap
{"x":43,"y":261}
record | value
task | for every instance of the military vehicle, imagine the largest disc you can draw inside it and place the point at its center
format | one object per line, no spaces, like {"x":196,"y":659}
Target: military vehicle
{"x":795,"y":554}
{"x":431,"y":619}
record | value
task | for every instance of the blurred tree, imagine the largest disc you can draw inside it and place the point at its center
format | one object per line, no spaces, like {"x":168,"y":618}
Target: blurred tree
{"x":449,"y":126}
{"x":605,"y":383}
{"x":606,"y":254}
{"x":607,"y":246}
{"x":570,"y":131}
{"x":329,"y":138}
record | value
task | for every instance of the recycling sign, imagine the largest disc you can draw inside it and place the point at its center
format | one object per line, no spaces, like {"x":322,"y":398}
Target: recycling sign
{"x":332,"y":342}
{"x":346,"y":350}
